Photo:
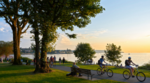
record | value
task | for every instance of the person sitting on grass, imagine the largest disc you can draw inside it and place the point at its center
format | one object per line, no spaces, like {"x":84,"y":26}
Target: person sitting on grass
{"x":127,"y":65}
{"x":74,"y":73}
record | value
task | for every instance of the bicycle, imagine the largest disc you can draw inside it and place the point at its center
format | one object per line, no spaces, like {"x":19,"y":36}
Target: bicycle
{"x":109,"y":71}
{"x":139,"y":75}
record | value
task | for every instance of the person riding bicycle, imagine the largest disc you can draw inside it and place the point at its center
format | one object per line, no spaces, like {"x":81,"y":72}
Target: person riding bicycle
{"x":100,"y":62}
{"x":127,"y":65}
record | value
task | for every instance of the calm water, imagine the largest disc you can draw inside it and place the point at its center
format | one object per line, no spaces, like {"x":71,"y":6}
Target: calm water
{"x":138,"y":58}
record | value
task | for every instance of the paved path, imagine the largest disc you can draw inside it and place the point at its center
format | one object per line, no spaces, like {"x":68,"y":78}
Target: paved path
{"x":117,"y":77}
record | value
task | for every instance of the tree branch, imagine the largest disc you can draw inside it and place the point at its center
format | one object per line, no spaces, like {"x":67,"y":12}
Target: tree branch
{"x":24,"y":24}
{"x":6,"y":19}
{"x":25,"y":29}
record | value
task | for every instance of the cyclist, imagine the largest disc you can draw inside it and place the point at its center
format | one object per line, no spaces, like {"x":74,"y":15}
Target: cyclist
{"x":127,"y":65}
{"x":100,"y":62}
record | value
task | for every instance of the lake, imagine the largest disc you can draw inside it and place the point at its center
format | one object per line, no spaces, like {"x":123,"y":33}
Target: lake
{"x":137,"y":58}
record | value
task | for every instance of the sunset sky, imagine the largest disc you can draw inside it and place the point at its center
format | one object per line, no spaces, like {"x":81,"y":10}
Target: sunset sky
{"x":124,"y":22}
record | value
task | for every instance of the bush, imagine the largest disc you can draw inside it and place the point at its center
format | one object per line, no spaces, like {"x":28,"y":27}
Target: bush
{"x":11,"y":60}
{"x":145,"y":66}
{"x":68,"y":61}
{"x":78,"y":62}
{"x":25,"y":59}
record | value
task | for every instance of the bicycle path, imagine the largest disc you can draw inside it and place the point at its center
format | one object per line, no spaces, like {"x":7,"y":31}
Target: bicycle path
{"x":117,"y":77}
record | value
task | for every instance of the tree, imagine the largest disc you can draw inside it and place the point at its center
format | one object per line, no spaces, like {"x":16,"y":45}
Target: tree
{"x":15,"y":13}
{"x":34,"y":22}
{"x":63,"y":14}
{"x":113,"y":53}
{"x":84,"y":52}
{"x":40,"y":26}
{"x":6,"y":48}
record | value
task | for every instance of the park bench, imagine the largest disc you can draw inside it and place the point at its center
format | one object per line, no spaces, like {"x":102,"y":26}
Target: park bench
{"x":83,"y":71}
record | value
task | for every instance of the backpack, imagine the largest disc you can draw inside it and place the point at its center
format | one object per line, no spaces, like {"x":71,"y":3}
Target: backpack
{"x":98,"y":62}
{"x":126,"y":63}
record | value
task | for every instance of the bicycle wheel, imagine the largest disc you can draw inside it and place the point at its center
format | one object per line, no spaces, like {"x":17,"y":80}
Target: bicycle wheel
{"x":126,"y":74}
{"x":141,"y":76}
{"x":99,"y":71}
{"x":109,"y":73}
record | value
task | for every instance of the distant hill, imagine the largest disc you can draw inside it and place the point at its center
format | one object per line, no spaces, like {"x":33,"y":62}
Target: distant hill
{"x":97,"y":51}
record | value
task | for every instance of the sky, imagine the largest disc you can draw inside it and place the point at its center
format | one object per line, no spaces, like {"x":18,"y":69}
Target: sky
{"x":125,"y":23}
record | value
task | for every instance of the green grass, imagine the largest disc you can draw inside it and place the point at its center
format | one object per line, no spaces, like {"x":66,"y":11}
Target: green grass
{"x":22,"y":73}
{"x":115,"y":70}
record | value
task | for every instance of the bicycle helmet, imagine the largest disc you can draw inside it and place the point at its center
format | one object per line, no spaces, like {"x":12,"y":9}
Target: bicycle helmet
{"x":129,"y":57}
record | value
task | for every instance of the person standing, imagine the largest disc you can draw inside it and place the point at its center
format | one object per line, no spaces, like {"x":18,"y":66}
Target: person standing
{"x":51,"y":61}
{"x":47,"y":59}
{"x":54,"y":60}
{"x":2,"y":59}
{"x":63,"y":60}
{"x":59,"y":60}
{"x":91,"y":61}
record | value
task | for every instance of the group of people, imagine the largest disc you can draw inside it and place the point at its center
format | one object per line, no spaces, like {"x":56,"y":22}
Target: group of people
{"x":128,"y":63}
{"x":90,"y":61}
{"x":1,"y":60}
{"x":63,"y":60}
{"x":52,"y":60}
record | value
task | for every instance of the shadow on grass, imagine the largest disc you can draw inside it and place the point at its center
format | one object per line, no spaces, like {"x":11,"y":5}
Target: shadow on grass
{"x":15,"y":74}
{"x":59,"y":80}
{"x":10,"y":67}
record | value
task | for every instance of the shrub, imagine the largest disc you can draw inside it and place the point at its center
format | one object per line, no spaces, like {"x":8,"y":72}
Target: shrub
{"x":11,"y":60}
{"x":25,"y":59}
{"x":68,"y":61}
{"x":78,"y":62}
{"x":145,"y":66}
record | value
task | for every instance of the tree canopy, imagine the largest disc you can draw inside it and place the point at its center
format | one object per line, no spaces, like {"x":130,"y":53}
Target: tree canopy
{"x":15,"y":13}
{"x":49,"y":15}
{"x":113,"y":53}
{"x":45,"y":17}
{"x":84,"y":52}
{"x":6,"y":48}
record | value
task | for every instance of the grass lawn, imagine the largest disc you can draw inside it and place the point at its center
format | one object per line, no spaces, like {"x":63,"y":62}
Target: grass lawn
{"x":115,"y":70}
{"x":22,"y":73}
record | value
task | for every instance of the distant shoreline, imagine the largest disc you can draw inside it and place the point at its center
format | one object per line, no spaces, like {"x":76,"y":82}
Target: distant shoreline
{"x":47,"y":53}
{"x":66,"y":53}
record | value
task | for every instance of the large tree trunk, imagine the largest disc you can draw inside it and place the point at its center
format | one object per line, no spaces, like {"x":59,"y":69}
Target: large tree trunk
{"x":37,"y":48}
{"x":16,"y":49}
{"x":44,"y":65}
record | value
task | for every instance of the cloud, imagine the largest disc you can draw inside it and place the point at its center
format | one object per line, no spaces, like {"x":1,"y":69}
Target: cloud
{"x":83,"y":36}
{"x":96,"y":33}
{"x":27,"y":35}
{"x":65,"y":40}
{"x":4,"y":24}
{"x":148,"y":36}
{"x":2,"y":29}
{"x":93,"y":34}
